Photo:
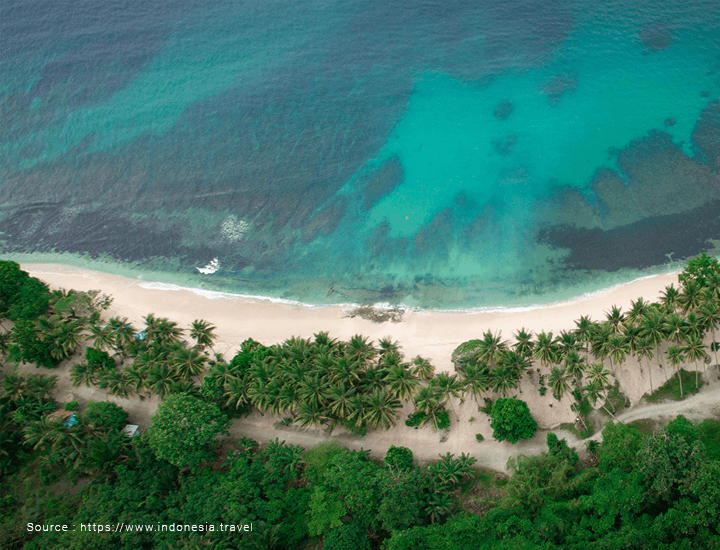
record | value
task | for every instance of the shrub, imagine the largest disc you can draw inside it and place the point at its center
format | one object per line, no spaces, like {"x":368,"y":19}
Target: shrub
{"x":487,"y":407}
{"x":399,"y":458}
{"x":415,"y":419}
{"x":479,"y":437}
{"x":71,"y":406}
{"x":442,"y":420}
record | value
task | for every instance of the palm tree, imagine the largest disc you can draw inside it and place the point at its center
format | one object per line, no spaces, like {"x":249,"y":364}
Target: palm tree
{"x":41,"y":385}
{"x":546,"y":349}
{"x":381,"y":409}
{"x":600,"y":342}
{"x":164,"y":332}
{"x":616,"y":318}
{"x":261,"y":394}
{"x":427,"y":400}
{"x":489,"y":347}
{"x":373,"y":378}
{"x":643,"y":349}
{"x":423,"y":368}
{"x":116,"y":383}
{"x":675,"y":356}
{"x":503,"y":379}
{"x":360,"y":349}
{"x":314,"y":390}
{"x":137,"y":378}
{"x":675,"y":327}
{"x":619,"y":348}
{"x":638,"y":309}
{"x":203,"y":333}
{"x":595,"y":391}
{"x":670,"y":297}
{"x":712,"y":286}
{"x":188,"y":362}
{"x":631,"y":332}
{"x":518,"y":363}
{"x":310,"y":414}
{"x":567,"y":342}
{"x":42,"y":433}
{"x":584,"y":329}
{"x":559,"y":382}
{"x":691,"y":296}
{"x":160,"y":379}
{"x":402,"y":381}
{"x":387,"y":345}
{"x":390,"y":359}
{"x":652,"y":330}
{"x":345,"y":370}
{"x":14,"y":385}
{"x":695,"y":350}
{"x":324,"y":342}
{"x":340,"y":399}
{"x":523,"y":343}
{"x":235,"y":392}
{"x":575,"y":366}
{"x":711,"y":314}
{"x":103,"y":337}
{"x":124,"y":332}
{"x":597,"y":373}
{"x":476,"y":378}
{"x":440,"y":504}
{"x":695,"y":326}
{"x":82,"y":374}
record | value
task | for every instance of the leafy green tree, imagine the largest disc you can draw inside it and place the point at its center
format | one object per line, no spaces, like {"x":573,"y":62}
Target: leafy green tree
{"x":21,"y":297}
{"x":28,"y":347}
{"x":184,"y":429}
{"x":349,"y":536}
{"x":698,"y":270}
{"x":105,"y":414}
{"x":399,"y":459}
{"x":511,"y":420}
{"x":326,"y":513}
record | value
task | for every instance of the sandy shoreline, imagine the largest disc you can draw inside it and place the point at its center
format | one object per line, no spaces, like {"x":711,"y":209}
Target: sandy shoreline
{"x":433,"y":335}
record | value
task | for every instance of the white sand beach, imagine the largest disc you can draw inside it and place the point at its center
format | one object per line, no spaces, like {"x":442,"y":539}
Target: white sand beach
{"x":433,"y":335}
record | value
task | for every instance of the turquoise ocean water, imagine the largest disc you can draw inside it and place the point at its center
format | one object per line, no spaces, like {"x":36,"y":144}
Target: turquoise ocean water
{"x":435,"y":154}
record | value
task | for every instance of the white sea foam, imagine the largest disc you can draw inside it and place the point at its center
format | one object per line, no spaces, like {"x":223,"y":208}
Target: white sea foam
{"x":348,"y":307}
{"x":210,"y":268}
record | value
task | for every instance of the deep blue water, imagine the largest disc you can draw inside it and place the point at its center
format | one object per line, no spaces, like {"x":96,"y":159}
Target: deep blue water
{"x":440,"y":154}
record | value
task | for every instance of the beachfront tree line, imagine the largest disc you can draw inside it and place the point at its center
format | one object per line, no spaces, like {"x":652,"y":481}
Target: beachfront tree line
{"x":672,"y":331}
{"x":324,"y":382}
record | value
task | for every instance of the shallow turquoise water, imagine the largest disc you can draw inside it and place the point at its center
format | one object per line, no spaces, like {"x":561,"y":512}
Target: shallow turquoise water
{"x":433,"y":154}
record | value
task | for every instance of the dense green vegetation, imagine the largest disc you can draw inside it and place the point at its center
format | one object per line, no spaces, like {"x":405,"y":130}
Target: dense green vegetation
{"x":636,"y":490}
